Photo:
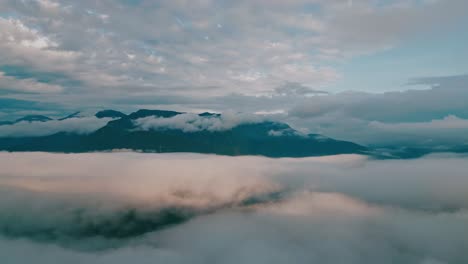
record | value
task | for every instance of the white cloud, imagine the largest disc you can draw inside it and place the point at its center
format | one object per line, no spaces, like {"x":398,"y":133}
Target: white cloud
{"x":24,"y":45}
{"x":14,"y":31}
{"x":196,"y":123}
{"x":49,"y":5}
{"x":424,"y":118}
{"x":9,"y":83}
{"x":447,"y":132}
{"x":82,"y":125}
{"x":246,"y":47}
{"x":79,"y":208}
{"x":447,"y":123}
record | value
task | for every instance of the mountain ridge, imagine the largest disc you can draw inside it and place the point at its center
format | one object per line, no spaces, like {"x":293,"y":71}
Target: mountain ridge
{"x":266,"y":138}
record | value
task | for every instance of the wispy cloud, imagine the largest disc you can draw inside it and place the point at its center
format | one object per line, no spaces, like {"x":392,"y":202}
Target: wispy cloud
{"x":82,"y":125}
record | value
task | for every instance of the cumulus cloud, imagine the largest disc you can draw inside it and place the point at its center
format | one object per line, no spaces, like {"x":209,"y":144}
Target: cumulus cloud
{"x":294,"y":88}
{"x":82,"y":125}
{"x":189,"y":208}
{"x":224,"y":46}
{"x":26,"y":85}
{"x":196,"y":123}
{"x":217,"y":56}
{"x":447,"y":132}
{"x":25,"y":45}
{"x":450,"y":130}
{"x":432,"y":117}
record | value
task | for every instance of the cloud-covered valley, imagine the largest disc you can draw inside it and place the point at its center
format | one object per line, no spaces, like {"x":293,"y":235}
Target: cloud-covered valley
{"x":191,"y":208}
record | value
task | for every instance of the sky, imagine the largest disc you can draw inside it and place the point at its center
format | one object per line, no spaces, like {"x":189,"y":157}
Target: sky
{"x":325,"y":66}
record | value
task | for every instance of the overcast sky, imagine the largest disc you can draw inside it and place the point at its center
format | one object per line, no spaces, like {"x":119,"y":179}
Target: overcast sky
{"x":323,"y":65}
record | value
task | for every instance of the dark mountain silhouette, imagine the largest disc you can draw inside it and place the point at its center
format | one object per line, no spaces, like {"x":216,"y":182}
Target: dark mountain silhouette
{"x":157,"y":113}
{"x":244,"y":139}
{"x":31,"y":118}
{"x":110,"y":114}
{"x":28,"y":118}
{"x":76,"y":114}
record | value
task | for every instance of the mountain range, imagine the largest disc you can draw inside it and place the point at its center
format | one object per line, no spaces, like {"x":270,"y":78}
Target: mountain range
{"x":266,"y":138}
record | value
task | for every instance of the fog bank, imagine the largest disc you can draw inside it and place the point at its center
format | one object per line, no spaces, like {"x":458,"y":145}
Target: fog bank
{"x":190,"y":208}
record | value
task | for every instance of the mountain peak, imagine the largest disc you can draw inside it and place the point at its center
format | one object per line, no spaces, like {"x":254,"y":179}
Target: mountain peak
{"x":76,"y":114}
{"x":34,"y":118}
{"x":208,"y":114}
{"x":248,"y":137}
{"x":110,"y":113}
{"x":157,"y":113}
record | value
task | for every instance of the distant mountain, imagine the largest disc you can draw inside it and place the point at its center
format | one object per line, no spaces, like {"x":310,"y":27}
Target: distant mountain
{"x":157,"y":113}
{"x":34,"y":118}
{"x":110,"y":114}
{"x":411,"y":152}
{"x":76,"y":114}
{"x":207,"y":114}
{"x":272,"y":139}
{"x":28,"y":118}
{"x":2,"y":123}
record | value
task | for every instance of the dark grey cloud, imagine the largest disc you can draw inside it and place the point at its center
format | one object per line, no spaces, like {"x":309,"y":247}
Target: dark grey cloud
{"x":406,"y":106}
{"x":433,"y":117}
{"x":12,"y":109}
{"x":294,"y":88}
{"x":456,"y":81}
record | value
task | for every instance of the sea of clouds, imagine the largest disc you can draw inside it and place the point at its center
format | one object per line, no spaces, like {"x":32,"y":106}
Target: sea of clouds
{"x":137,"y":208}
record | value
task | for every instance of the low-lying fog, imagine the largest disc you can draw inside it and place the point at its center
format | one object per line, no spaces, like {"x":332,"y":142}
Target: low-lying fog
{"x":188,"y":208}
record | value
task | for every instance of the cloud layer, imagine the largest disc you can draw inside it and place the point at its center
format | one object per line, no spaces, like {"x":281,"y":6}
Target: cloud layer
{"x":195,"y":123}
{"x":188,"y":208}
{"x":201,"y":48}
{"x":81,"y":125}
